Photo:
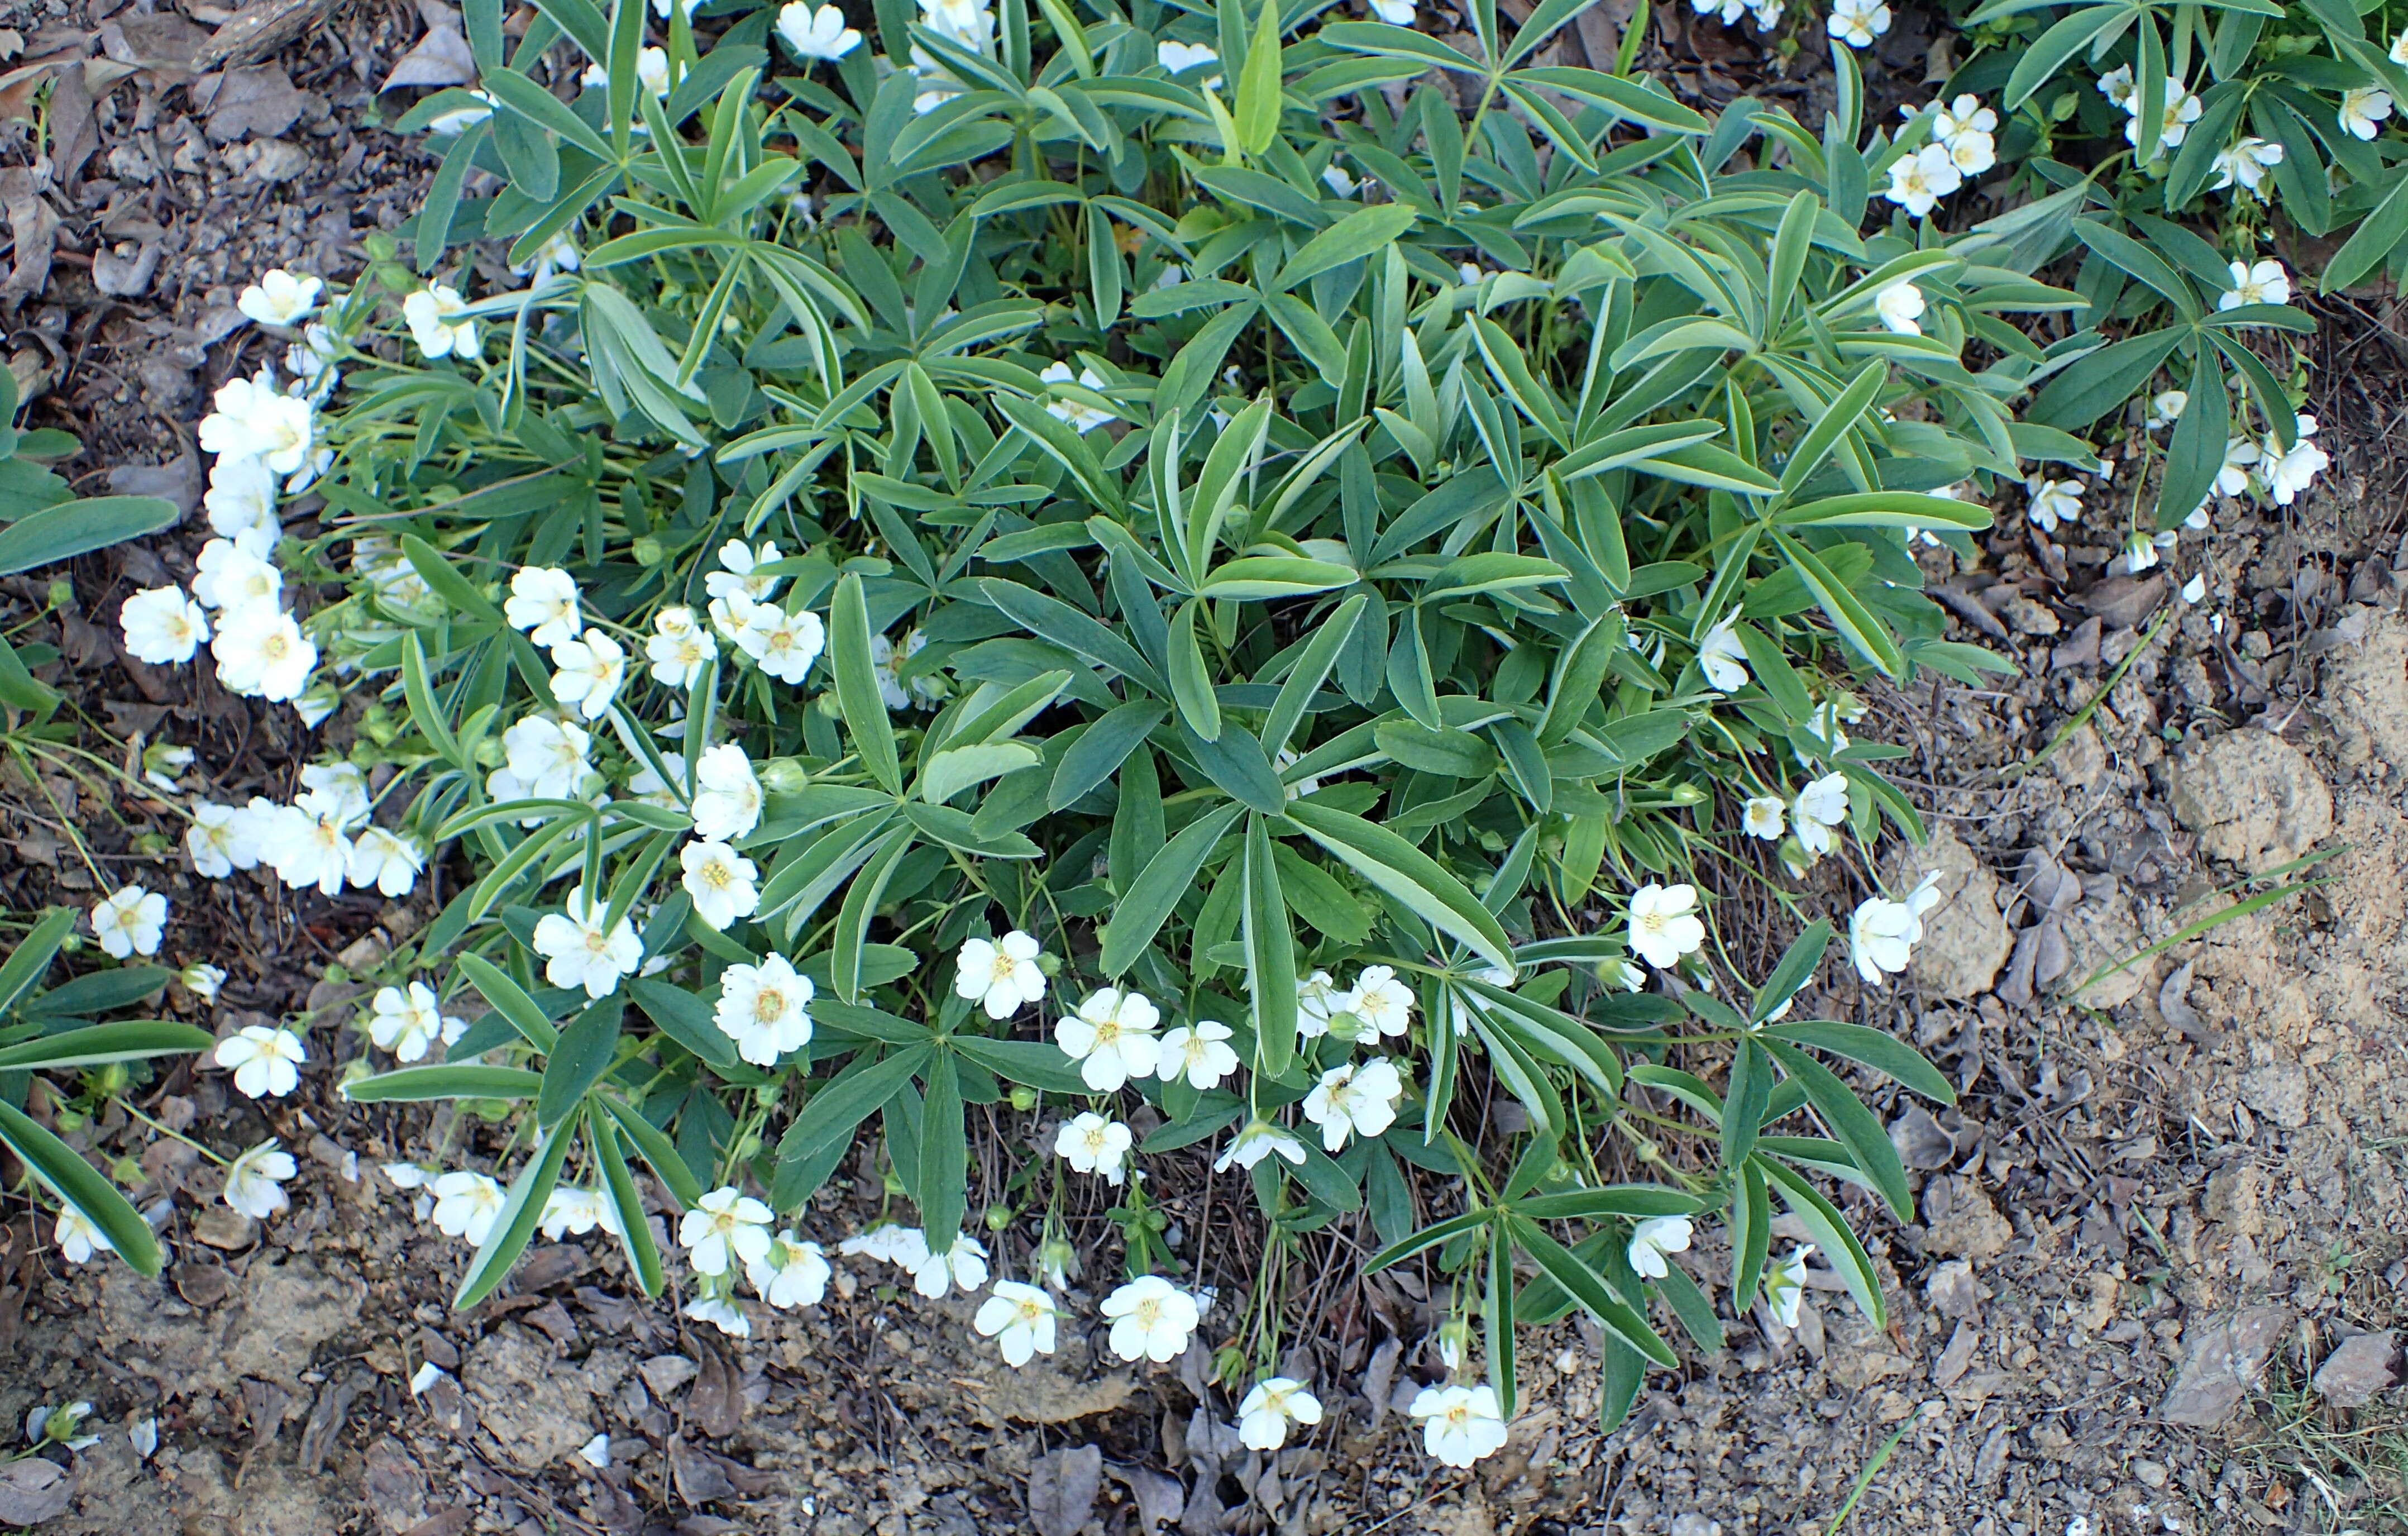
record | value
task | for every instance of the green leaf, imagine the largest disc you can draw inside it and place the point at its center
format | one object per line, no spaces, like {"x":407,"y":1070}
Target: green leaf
{"x":1585,"y":1286}
{"x":511,"y":999}
{"x":956,"y":768}
{"x":584,"y":1053}
{"x":1039,"y":1064}
{"x":1270,"y":953}
{"x":101,"y":1043}
{"x":1350,"y":239}
{"x":78,"y":527}
{"x":1427,"y":1238}
{"x":1857,"y":1126}
{"x":519,"y":1212}
{"x":1099,"y":752}
{"x":1883,"y":1053}
{"x":1408,"y":874}
{"x":626,"y":1203}
{"x":657,"y":1151}
{"x":944,"y":1157}
{"x":1139,"y":913}
{"x":685,"y":1018}
{"x":828,"y":1118}
{"x":1258,"y":83}
{"x":2092,"y":26}
{"x":857,"y":684}
{"x":1191,"y":676}
{"x":30,"y":961}
{"x":1829,"y":1230}
{"x":457,"y":1080}
{"x":76,"y":1182}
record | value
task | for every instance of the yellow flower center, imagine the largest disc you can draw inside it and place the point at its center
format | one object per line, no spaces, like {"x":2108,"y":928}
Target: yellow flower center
{"x":769,"y":1005}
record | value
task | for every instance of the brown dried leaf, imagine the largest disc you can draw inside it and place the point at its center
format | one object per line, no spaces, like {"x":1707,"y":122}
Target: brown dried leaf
{"x":440,"y":58}
{"x":1062,"y":1488}
{"x":75,"y":131}
{"x":257,"y":102}
{"x":33,"y":1490}
{"x":716,"y":1405}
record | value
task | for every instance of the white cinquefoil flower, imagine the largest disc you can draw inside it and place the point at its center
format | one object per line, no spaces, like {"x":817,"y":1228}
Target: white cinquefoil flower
{"x":440,"y":322}
{"x":794,"y":1274}
{"x":1883,"y":933}
{"x":1020,"y":1318}
{"x":543,"y":602}
{"x":1152,"y":1319}
{"x":255,"y":420}
{"x":721,"y":882}
{"x":765,"y":1009}
{"x":254,"y":1183}
{"x":1274,"y":1403}
{"x":1111,"y":1038}
{"x":961,"y":1266}
{"x":726,"y":1227}
{"x":586,"y":673}
{"x":579,"y":951}
{"x":1664,"y":923}
{"x":1091,"y":1144}
{"x":726,"y":795}
{"x":816,"y":33}
{"x":1460,"y":1423}
{"x":279,"y":297}
{"x":266,"y":1063}
{"x":1652,"y":1239}
{"x":466,"y":1205}
{"x":262,"y":654}
{"x":1199,"y":1053}
{"x":410,"y":1022}
{"x":130,"y":921}
{"x":162,"y":627}
{"x":1001,"y":975}
{"x":1354,"y":1098}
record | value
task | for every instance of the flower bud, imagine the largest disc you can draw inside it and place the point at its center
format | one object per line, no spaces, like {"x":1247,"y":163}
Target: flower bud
{"x":648,"y":550}
{"x":1689,"y":795}
{"x":62,"y":592}
{"x":998,"y":1217}
{"x":1228,"y":1364}
{"x":767,"y":1093}
{"x":785,"y":776}
{"x":1023,"y":1097}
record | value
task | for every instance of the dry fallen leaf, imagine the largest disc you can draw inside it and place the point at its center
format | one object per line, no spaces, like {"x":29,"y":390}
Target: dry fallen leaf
{"x":33,"y":1490}
{"x":441,"y":58}
{"x":1062,"y":1488}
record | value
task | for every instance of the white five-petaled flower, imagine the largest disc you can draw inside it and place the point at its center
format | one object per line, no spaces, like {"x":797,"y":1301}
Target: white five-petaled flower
{"x":1882,"y":933}
{"x":1664,"y":923}
{"x":1901,"y":307}
{"x":765,"y":1009}
{"x":254,"y":1181}
{"x":785,"y":644}
{"x":579,"y":951}
{"x":1258,"y":1141}
{"x":242,"y":503}
{"x":739,"y":575}
{"x":1381,"y":1001}
{"x":1763,"y":817}
{"x":1822,"y":805}
{"x":266,"y":1062}
{"x":1785,"y":1288}
{"x":726,"y":1227}
{"x":440,"y":322}
{"x":1091,"y":1144}
{"x":1460,"y":1423}
{"x":1317,"y":996}
{"x":1084,"y":417}
{"x":1266,"y":1412}
{"x":256,"y":420}
{"x":262,"y":654}
{"x":79,"y":1236}
{"x":1652,"y":1239}
{"x":1152,"y":1319}
{"x":1917,"y":181}
{"x":1020,"y":1318}
{"x":1397,"y":13}
{"x":572,"y":1212}
{"x":587,"y":672}
{"x":2181,"y":109}
{"x":162,"y":627}
{"x":2362,"y":110}
{"x":1110,"y":1037}
{"x":130,"y":921}
{"x":2247,"y":165}
{"x":2166,"y":407}
{"x":1354,"y":1098}
{"x":2292,"y":470}
{"x":2258,"y":282}
{"x":680,"y":649}
{"x":726,"y":795}
{"x":1001,"y":975}
{"x":543,"y":601}
{"x":720,"y":881}
{"x":307,"y":844}
{"x":794,"y":1274}
{"x":1721,"y":656}
{"x":887,"y":659}
{"x":721,"y":1311}
{"x":202,"y":980}
{"x":279,"y":297}
{"x":544,"y":759}
{"x":410,"y":1022}
{"x":466,"y":1205}
{"x":1858,"y":22}
{"x":900,"y":1245}
{"x":229,"y":576}
{"x":816,"y":33}
{"x":2116,"y":86}
{"x":2052,"y":502}
{"x":961,"y":1266}
{"x":1200,"y":1053}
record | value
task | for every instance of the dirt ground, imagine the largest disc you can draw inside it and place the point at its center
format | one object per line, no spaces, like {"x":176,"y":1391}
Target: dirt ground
{"x":2159,"y":1239}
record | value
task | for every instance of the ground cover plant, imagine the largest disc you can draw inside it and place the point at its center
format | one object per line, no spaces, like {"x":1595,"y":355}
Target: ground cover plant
{"x":1107,"y":560}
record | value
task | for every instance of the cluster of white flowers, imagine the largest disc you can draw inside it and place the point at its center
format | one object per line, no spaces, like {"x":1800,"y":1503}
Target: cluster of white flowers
{"x":2182,"y":108}
{"x":326,"y":838}
{"x":1767,"y":13}
{"x":782,"y":644}
{"x":1858,"y":22}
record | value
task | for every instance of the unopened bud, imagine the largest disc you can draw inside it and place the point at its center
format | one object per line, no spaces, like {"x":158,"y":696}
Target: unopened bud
{"x":785,"y":776}
{"x":1689,"y":795}
{"x":1023,"y":1097}
{"x":998,"y":1217}
{"x":648,"y":550}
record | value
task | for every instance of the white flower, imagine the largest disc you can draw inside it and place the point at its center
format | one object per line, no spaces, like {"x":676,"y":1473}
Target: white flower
{"x":1354,"y":1098}
{"x":1729,"y":11}
{"x":1917,"y":181}
{"x":221,"y":840}
{"x":1265,"y":1415}
{"x":254,"y":1183}
{"x":1258,"y":1141}
{"x":2052,"y":502}
{"x":1152,"y":1319}
{"x":2364,"y":108}
{"x":579,"y":952}
{"x":1786,"y":1287}
{"x":2399,"y":50}
{"x":2247,"y":163}
{"x":546,"y":758}
{"x":1199,"y":1053}
{"x":1965,"y":115}
{"x":162,"y":627}
{"x":679,"y":649}
{"x":2288,"y":473}
{"x":587,"y":673}
{"x":461,"y":119}
{"x":1001,"y":975}
{"x":1111,"y":1037}
{"x":1763,"y":817}
{"x":407,"y":1175}
{"x":439,"y":323}
{"x":229,"y":576}
{"x":2116,"y":86}
{"x":385,"y":860}
{"x":2166,"y":407}
{"x":765,"y":1009}
{"x":2139,"y":552}
{"x":410,"y":1022}
{"x":78,"y":1237}
{"x":307,"y":845}
{"x":2196,"y":588}
{"x":725,"y":1227}
{"x":1858,"y":22}
{"x":282,"y":298}
{"x":1179,"y":58}
{"x":785,"y":644}
{"x":202,"y":981}
{"x":816,"y":33}
{"x":737,"y":577}
{"x":1092,"y":1144}
{"x":2265,"y":282}
{"x":1020,"y":1318}
{"x":1899,"y":305}
{"x":466,"y":1205}
{"x":793,"y":1274}
{"x":1664,"y":923}
{"x":543,"y":601}
{"x":1397,"y":13}
{"x":726,"y":795}
{"x":570,"y":1210}
{"x":2181,"y":109}
{"x":258,"y":421}
{"x":1632,"y":978}
{"x":1085,"y":418}
{"x":1317,"y":997}
{"x":311,"y":362}
{"x":720,"y":1312}
{"x":1822,"y":805}
{"x":1340,"y":180}
{"x":969,"y":22}
{"x":1652,"y":1239}
{"x":720,"y":881}
{"x":906,"y":1246}
{"x":130,"y":921}
{"x":1721,"y":656}
{"x":961,"y":1266}
{"x":1462,"y":1424}
{"x":262,"y":654}
{"x":241,"y":504}
{"x":1882,"y":933}
{"x":264,"y":1061}
{"x":1379,"y":1000}
{"x":887,"y":659}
